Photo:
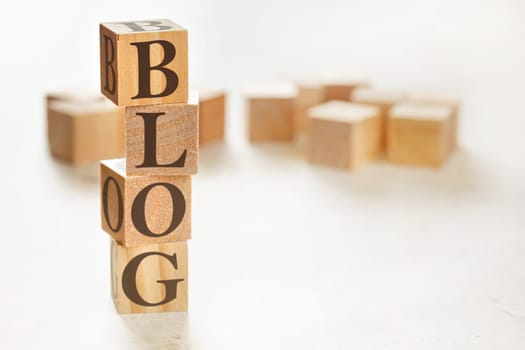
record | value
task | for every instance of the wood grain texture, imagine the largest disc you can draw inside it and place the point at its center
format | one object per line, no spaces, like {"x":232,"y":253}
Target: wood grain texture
{"x":158,"y":266}
{"x":139,"y":210}
{"x":344,"y":135}
{"x":84,"y":132}
{"x":441,"y":99}
{"x":380,"y":98}
{"x":419,"y":135}
{"x":126,"y":62}
{"x":177,"y":137}
{"x":212,"y":115}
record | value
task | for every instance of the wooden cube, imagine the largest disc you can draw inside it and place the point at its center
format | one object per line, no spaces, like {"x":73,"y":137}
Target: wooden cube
{"x":162,"y":139}
{"x":270,"y":109}
{"x":144,"y":62}
{"x":309,"y":94}
{"x":57,"y":142}
{"x":344,"y":134}
{"x":85,"y":132}
{"x":139,"y":210}
{"x":340,"y":88}
{"x":212,"y":110}
{"x":419,"y":135}
{"x":150,"y":278}
{"x":74,"y":94}
{"x":380,"y":98}
{"x":440,"y":99}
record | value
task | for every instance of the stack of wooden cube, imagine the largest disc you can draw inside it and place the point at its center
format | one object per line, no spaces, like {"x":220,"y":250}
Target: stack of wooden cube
{"x":146,"y":197}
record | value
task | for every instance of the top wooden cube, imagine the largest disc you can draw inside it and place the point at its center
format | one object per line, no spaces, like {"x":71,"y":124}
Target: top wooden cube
{"x":144,"y":62}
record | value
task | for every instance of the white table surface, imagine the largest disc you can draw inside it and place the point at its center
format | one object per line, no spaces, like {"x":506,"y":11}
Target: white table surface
{"x":284,"y":255}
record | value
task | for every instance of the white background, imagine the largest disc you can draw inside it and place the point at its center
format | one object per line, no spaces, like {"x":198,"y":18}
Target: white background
{"x":285,"y":255}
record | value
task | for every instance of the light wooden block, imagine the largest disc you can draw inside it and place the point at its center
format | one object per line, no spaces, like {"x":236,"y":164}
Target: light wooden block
{"x":341,"y":88}
{"x":74,"y":94}
{"x":85,"y":132}
{"x":309,"y":94}
{"x":163,"y":139}
{"x":212,"y":115}
{"x":144,"y":62}
{"x":441,"y":99}
{"x":380,"y":98}
{"x":59,"y":139}
{"x":419,"y":135}
{"x":270,"y":110}
{"x":139,"y":210}
{"x":344,"y":134}
{"x":150,"y":278}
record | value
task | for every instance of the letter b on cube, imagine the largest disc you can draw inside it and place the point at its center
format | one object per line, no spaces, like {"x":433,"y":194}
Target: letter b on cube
{"x":144,"y":62}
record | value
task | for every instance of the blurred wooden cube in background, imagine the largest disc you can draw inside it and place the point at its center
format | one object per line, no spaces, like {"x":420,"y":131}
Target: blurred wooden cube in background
{"x":340,"y":87}
{"x":270,"y":110}
{"x":74,"y":94}
{"x":309,"y":94}
{"x":441,"y":99}
{"x":84,"y":130}
{"x":419,"y":134}
{"x":380,"y":98}
{"x":212,"y":115}
{"x":344,"y":134}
